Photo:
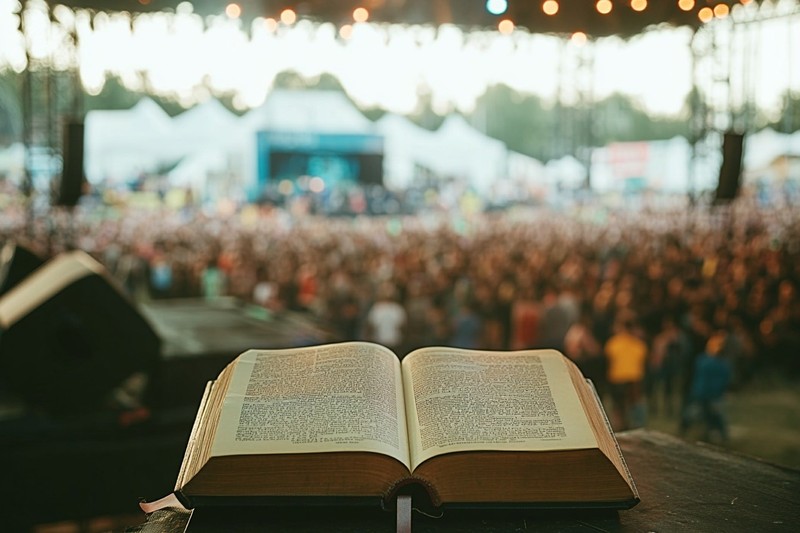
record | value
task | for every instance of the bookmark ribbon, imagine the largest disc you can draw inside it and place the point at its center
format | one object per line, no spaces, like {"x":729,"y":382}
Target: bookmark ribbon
{"x":170,"y":500}
{"x":404,"y":514}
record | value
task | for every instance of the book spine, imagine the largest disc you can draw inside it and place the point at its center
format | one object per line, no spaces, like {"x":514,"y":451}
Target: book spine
{"x":423,"y":492}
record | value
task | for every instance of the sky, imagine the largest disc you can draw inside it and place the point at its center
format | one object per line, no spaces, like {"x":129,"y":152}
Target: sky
{"x":389,"y":66}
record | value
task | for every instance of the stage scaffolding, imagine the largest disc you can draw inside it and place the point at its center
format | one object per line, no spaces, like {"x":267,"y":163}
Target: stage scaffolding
{"x":724,"y":73}
{"x":52,"y":94}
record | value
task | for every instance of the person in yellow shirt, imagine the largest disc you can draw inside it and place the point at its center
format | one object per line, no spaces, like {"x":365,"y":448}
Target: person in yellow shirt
{"x":626,"y":354}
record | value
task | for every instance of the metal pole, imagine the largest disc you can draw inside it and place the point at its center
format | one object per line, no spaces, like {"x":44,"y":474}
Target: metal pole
{"x":27,"y":124}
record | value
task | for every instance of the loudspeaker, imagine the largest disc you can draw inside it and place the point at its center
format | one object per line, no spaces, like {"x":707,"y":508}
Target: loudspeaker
{"x":16,"y":262}
{"x":70,"y":187}
{"x":71,"y":337}
{"x":731,"y":169}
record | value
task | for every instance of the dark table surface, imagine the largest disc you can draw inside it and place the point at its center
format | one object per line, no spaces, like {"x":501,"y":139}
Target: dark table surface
{"x":683,"y":487}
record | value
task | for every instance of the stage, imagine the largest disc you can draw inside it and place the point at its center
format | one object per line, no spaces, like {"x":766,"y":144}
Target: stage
{"x":100,"y":463}
{"x":199,"y":337}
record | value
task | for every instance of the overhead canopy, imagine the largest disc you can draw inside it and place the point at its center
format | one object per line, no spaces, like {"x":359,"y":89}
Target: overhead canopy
{"x":308,"y":111}
{"x":455,"y":150}
{"x":572,"y":15}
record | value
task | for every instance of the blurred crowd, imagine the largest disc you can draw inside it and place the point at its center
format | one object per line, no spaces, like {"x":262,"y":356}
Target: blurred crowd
{"x":639,"y":299}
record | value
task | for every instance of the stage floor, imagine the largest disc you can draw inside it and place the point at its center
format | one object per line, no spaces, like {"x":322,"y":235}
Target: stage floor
{"x":199,"y":337}
{"x":197,"y":327}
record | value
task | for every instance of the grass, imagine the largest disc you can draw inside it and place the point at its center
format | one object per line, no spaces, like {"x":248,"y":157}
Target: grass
{"x":764,"y":421}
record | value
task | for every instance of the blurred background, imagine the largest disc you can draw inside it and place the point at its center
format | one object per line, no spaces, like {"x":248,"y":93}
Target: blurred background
{"x":490,"y":174}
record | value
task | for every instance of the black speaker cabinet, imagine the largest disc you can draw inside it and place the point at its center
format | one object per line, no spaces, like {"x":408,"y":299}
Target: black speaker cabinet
{"x":72,"y":180}
{"x":70,"y":337}
{"x":730,"y":171}
{"x":16,"y":262}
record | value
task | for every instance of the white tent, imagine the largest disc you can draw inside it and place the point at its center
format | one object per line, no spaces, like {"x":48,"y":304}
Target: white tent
{"x":405,"y":146}
{"x":565,"y":172}
{"x":120,"y":144}
{"x":455,"y":150}
{"x":307,"y":111}
{"x":12,"y":162}
{"x":763,"y":147}
{"x":662,"y":165}
{"x":208,"y":126}
{"x":526,"y":170}
{"x":193,"y":169}
{"x":668,"y":165}
{"x":459,"y":150}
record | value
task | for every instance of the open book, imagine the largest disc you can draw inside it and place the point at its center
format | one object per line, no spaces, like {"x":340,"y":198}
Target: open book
{"x":349,"y":422}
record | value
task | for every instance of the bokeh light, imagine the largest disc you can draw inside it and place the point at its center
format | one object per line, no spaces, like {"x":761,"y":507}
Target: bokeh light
{"x":286,"y":187}
{"x":550,"y":7}
{"x":270,"y":24}
{"x":496,"y":7}
{"x":316,"y":185}
{"x":288,"y":17}
{"x":604,"y":7}
{"x":579,"y":38}
{"x":360,"y":14}
{"x":233,"y":11}
{"x":346,"y":32}
{"x":506,"y":27}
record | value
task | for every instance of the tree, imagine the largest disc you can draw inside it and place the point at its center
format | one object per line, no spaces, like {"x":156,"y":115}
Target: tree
{"x":524,"y":122}
{"x":529,"y":125}
{"x":619,"y":119}
{"x":789,"y":121}
{"x":10,"y":109}
{"x":114,"y":95}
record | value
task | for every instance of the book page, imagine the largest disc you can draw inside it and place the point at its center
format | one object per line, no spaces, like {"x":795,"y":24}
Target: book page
{"x":466,"y":400}
{"x":333,"y":398}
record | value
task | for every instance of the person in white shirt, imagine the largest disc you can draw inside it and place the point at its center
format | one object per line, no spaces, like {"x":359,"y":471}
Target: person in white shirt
{"x":386,"y":319}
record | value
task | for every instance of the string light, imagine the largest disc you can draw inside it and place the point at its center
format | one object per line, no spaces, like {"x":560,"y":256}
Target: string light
{"x":360,"y":14}
{"x":288,"y":17}
{"x":721,"y":10}
{"x":271,"y":24}
{"x":579,"y":38}
{"x":550,"y":7}
{"x":346,"y":32}
{"x":686,"y":5}
{"x":506,"y":27}
{"x":604,"y":7}
{"x":638,"y":5}
{"x":705,"y":14}
{"x":233,"y":11}
{"x":496,"y":7}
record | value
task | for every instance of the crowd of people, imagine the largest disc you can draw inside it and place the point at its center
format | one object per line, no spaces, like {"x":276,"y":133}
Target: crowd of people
{"x":662,"y":309}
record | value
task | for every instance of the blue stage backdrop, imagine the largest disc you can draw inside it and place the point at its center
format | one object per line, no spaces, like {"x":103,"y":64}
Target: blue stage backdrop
{"x":340,"y":159}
